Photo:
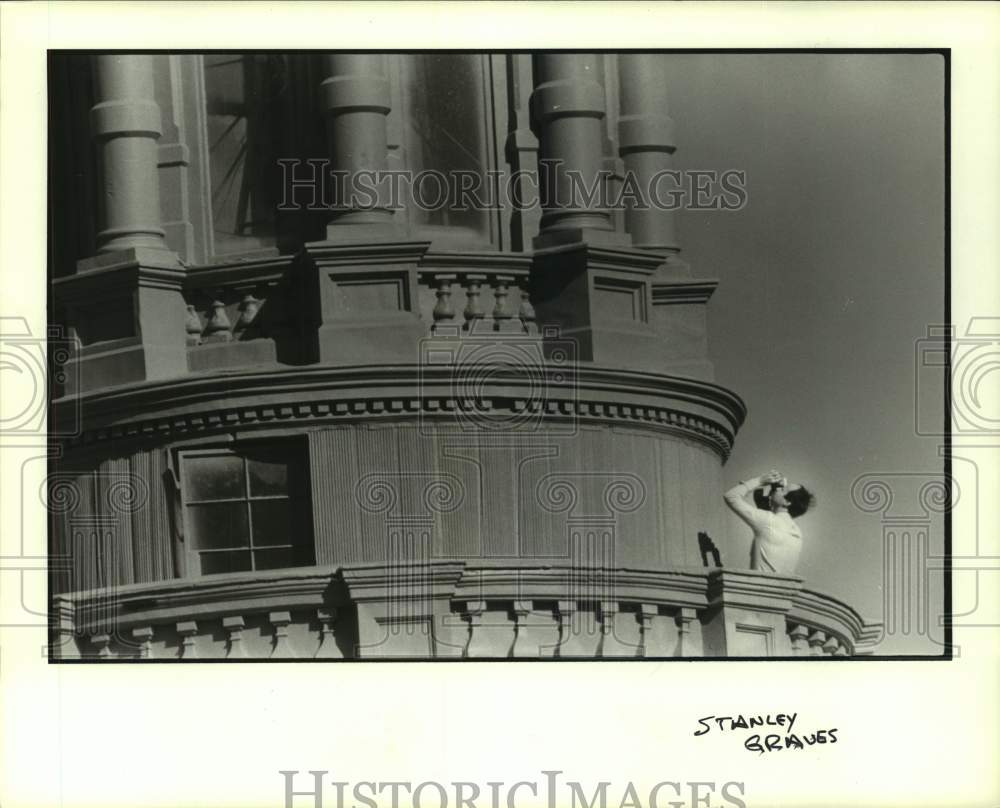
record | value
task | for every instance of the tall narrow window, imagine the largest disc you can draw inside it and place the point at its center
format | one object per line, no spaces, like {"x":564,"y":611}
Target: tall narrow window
{"x":246,"y":96}
{"x":447,"y":129}
{"x":246,"y":510}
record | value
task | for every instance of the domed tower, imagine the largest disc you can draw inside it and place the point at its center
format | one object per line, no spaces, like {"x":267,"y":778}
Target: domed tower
{"x":389,"y":355}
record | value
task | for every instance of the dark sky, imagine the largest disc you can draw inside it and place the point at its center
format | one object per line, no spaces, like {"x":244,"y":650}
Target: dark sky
{"x":829,"y":277}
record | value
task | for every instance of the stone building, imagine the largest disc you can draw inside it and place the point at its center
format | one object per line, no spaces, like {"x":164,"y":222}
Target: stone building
{"x":299,"y":422}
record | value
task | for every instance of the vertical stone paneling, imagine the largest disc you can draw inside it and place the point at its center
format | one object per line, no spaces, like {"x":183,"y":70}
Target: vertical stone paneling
{"x":636,"y":529}
{"x":670,"y":504}
{"x":500,"y":514}
{"x":378,"y":457}
{"x":152,"y":526}
{"x":118,"y":497}
{"x":498,"y":526}
{"x":459,"y":530}
{"x":84,"y":538}
{"x":140,"y":465}
{"x":701,"y":497}
{"x":70,"y":497}
{"x":712,"y":490}
{"x":333,"y":467}
{"x":165,"y":508}
{"x":543,"y":532}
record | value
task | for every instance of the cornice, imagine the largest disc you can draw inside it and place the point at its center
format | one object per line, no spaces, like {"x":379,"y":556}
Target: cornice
{"x":674,"y":588}
{"x":449,"y":261}
{"x":689,"y":408}
{"x":672,"y":292}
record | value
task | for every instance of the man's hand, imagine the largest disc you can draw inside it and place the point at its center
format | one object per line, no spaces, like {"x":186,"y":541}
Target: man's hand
{"x":771,"y":478}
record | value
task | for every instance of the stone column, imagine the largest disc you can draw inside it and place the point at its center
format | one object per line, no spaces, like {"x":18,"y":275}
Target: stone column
{"x":646,"y":144}
{"x":568,"y":106}
{"x":126,"y":125}
{"x":355,"y":99}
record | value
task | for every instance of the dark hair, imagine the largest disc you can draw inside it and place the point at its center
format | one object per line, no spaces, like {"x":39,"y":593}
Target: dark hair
{"x":800,"y":500}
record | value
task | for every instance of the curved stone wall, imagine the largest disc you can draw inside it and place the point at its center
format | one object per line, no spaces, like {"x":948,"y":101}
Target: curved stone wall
{"x":591,"y":466}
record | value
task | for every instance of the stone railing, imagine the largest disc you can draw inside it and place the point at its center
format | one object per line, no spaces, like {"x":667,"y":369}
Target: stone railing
{"x":460,"y":296}
{"x":241,"y":314}
{"x":265,"y":615}
{"x":821,"y":625}
{"x":455,"y":609}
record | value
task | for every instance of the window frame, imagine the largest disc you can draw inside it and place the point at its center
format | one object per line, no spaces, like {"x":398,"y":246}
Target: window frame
{"x":298,"y":494}
{"x":493,"y":107}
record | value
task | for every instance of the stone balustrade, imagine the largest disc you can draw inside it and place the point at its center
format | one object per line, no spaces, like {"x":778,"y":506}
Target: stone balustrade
{"x":474,"y":302}
{"x":451,"y":609}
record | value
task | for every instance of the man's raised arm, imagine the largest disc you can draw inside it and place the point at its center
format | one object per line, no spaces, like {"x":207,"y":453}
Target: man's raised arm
{"x":735,"y":497}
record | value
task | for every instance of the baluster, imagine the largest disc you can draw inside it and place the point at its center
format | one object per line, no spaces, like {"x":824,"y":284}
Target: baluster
{"x":684,"y":617}
{"x":234,"y":633}
{"x":101,"y":643}
{"x":816,"y":640}
{"x":831,"y":645}
{"x":526,"y":312}
{"x":144,"y":636}
{"x":444,"y":309}
{"x":565,"y":609}
{"x":799,"y":639}
{"x":218,"y":328}
{"x":188,"y":630}
{"x":192,"y":326}
{"x":474,"y":617}
{"x":522,"y":608}
{"x":606,"y":614}
{"x":249,"y":309}
{"x":282,"y":647}
{"x":841,"y":650}
{"x":64,"y":617}
{"x":647,"y":611}
{"x":327,"y":644}
{"x":503,"y":319}
{"x":473,"y":305}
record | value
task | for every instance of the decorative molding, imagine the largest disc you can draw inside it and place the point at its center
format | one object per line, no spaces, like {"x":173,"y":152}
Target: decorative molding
{"x":237,"y":400}
{"x":683,"y":291}
{"x":465,"y":588}
{"x":757,"y":591}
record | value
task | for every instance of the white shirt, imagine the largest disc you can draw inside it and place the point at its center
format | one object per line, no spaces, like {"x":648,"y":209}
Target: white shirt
{"x":777,"y":540}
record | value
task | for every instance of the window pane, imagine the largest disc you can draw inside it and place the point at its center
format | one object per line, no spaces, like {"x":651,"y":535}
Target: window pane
{"x":277,"y":558}
{"x":244,"y":95}
{"x":212,"y":563}
{"x":219,"y":477}
{"x":217,"y":526}
{"x":273,"y":523}
{"x":446,"y":131}
{"x":268,"y":474}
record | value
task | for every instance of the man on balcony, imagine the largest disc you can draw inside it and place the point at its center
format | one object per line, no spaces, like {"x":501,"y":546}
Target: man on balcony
{"x":777,"y":540}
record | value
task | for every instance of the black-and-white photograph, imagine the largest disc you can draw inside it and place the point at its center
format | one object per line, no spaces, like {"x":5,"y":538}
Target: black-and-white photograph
{"x":499,"y":405}
{"x":497,"y":355}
